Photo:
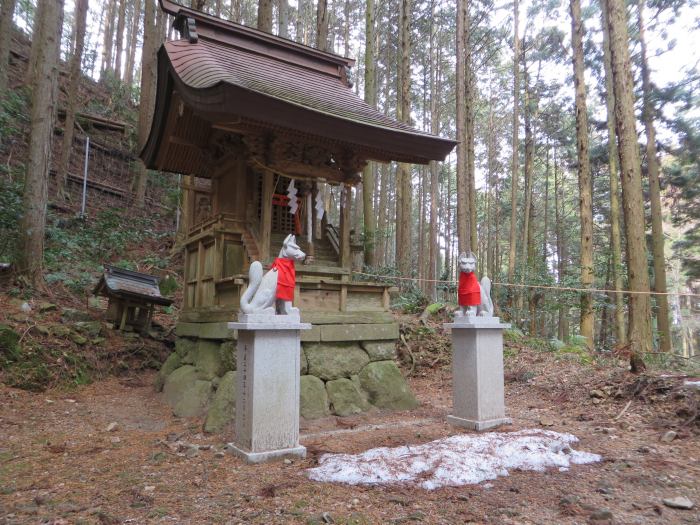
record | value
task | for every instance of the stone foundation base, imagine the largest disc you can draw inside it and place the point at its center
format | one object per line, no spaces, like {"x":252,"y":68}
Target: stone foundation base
{"x":268,"y":455}
{"x":478,"y":425}
{"x":345,"y":369}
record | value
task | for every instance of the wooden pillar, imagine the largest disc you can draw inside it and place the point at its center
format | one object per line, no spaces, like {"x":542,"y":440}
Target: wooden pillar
{"x":266,"y":219}
{"x":345,"y":224}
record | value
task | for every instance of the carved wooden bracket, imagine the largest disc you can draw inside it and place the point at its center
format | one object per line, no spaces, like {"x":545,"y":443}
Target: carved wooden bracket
{"x":189,"y":31}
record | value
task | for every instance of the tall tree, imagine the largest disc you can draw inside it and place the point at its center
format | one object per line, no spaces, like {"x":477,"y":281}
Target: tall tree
{"x":463,"y":199}
{"x":515,"y":168}
{"x":119,"y":39}
{"x":108,"y":40}
{"x":133,"y":38}
{"x":371,"y":99}
{"x":613,"y":157}
{"x":283,"y":18}
{"x":639,"y":326}
{"x":81,"y":7}
{"x":148,"y":78}
{"x":34,"y":50}
{"x":433,"y":246}
{"x":470,"y":100}
{"x":403,"y":175}
{"x":7,"y":11}
{"x":265,"y":15}
{"x":584,"y":174}
{"x":657,"y":231}
{"x":47,"y":29}
{"x":322,"y":20}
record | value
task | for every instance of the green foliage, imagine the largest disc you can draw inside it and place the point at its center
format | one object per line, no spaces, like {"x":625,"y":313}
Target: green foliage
{"x":37,"y":367}
{"x":411,"y":300}
{"x":168,"y":285}
{"x":77,"y":248}
{"x":434,"y":308}
{"x":14,"y":114}
{"x":10,"y":213}
{"x":513,"y":335}
{"x":9,"y":344}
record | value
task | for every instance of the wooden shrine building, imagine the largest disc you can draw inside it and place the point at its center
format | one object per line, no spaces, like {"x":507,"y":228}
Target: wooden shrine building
{"x":241,"y":113}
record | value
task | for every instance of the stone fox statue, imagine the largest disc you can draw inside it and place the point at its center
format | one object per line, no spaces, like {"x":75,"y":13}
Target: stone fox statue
{"x":473,"y":298}
{"x":273,"y":292}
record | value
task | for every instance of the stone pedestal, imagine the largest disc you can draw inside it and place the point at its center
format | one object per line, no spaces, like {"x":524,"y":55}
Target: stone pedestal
{"x":267,"y":387}
{"x":477,"y":372}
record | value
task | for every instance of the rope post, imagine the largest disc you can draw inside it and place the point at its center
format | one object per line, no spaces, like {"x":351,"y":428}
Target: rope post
{"x":85,"y":173}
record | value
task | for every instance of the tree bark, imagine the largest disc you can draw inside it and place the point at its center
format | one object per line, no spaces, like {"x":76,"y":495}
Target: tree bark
{"x":639,"y":327}
{"x":133,"y":39}
{"x":516,"y":154}
{"x":42,"y":118}
{"x":613,"y":157}
{"x":584,"y":175}
{"x":7,"y":10}
{"x":283,"y":18}
{"x":81,"y":7}
{"x":563,"y":324}
{"x":433,"y":246}
{"x":657,"y":230}
{"x":265,"y":15}
{"x":382,"y":232}
{"x":470,"y":138}
{"x":148,"y":78}
{"x":34,"y":50}
{"x":463,"y":199}
{"x":119,"y":38}
{"x":403,"y":183}
{"x":322,"y":19}
{"x":108,"y":41}
{"x":371,"y":99}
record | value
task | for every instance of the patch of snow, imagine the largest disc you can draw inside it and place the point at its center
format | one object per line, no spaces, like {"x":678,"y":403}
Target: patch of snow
{"x":692,"y":384}
{"x":463,"y":459}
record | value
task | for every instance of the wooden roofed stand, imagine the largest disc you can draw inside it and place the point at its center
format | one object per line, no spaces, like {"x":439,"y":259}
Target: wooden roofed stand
{"x":132,"y":297}
{"x":241,"y":113}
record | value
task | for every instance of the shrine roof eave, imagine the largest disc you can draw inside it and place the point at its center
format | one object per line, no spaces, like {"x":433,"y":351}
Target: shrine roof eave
{"x":225,"y":102}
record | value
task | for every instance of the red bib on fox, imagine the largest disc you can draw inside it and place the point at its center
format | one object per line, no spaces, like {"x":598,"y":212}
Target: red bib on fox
{"x":469,"y":291}
{"x":286,"y":278}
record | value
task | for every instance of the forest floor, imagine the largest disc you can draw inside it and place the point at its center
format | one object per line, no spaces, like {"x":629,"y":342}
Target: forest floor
{"x":62,"y":460}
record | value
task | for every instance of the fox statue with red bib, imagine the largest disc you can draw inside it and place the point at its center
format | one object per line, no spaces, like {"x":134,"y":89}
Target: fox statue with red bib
{"x":272,"y":294}
{"x":474,"y":298}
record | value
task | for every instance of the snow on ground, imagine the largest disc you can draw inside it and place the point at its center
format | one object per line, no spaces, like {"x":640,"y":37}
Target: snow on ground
{"x":457,"y":460}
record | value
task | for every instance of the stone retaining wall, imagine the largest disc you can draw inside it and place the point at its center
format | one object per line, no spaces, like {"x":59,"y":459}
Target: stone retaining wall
{"x":337,"y":377}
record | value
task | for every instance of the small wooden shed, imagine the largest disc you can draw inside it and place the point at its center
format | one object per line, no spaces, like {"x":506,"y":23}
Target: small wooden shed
{"x":132,"y":297}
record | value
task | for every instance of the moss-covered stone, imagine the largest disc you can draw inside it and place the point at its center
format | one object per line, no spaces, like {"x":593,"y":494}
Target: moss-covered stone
{"x":303,"y":362}
{"x":223,"y":404}
{"x":314,"y":399}
{"x":71,"y":314}
{"x":386,"y":387}
{"x":380,"y":350}
{"x":330,"y":361}
{"x":183,"y":346}
{"x":9,"y":343}
{"x":208,"y":359}
{"x":78,"y":339}
{"x":60,"y":330}
{"x":228,"y":353}
{"x":171,"y":364}
{"x":91,"y":328}
{"x":186,"y":393}
{"x":345,"y":398}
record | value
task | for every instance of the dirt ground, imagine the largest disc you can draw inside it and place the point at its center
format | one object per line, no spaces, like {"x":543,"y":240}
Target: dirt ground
{"x":60,"y":464}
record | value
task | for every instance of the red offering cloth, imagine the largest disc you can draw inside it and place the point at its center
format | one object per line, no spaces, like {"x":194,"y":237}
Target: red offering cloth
{"x":286,"y":278}
{"x":469,"y":291}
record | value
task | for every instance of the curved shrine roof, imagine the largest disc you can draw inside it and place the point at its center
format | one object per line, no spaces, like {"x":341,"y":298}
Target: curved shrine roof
{"x":226,"y":72}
